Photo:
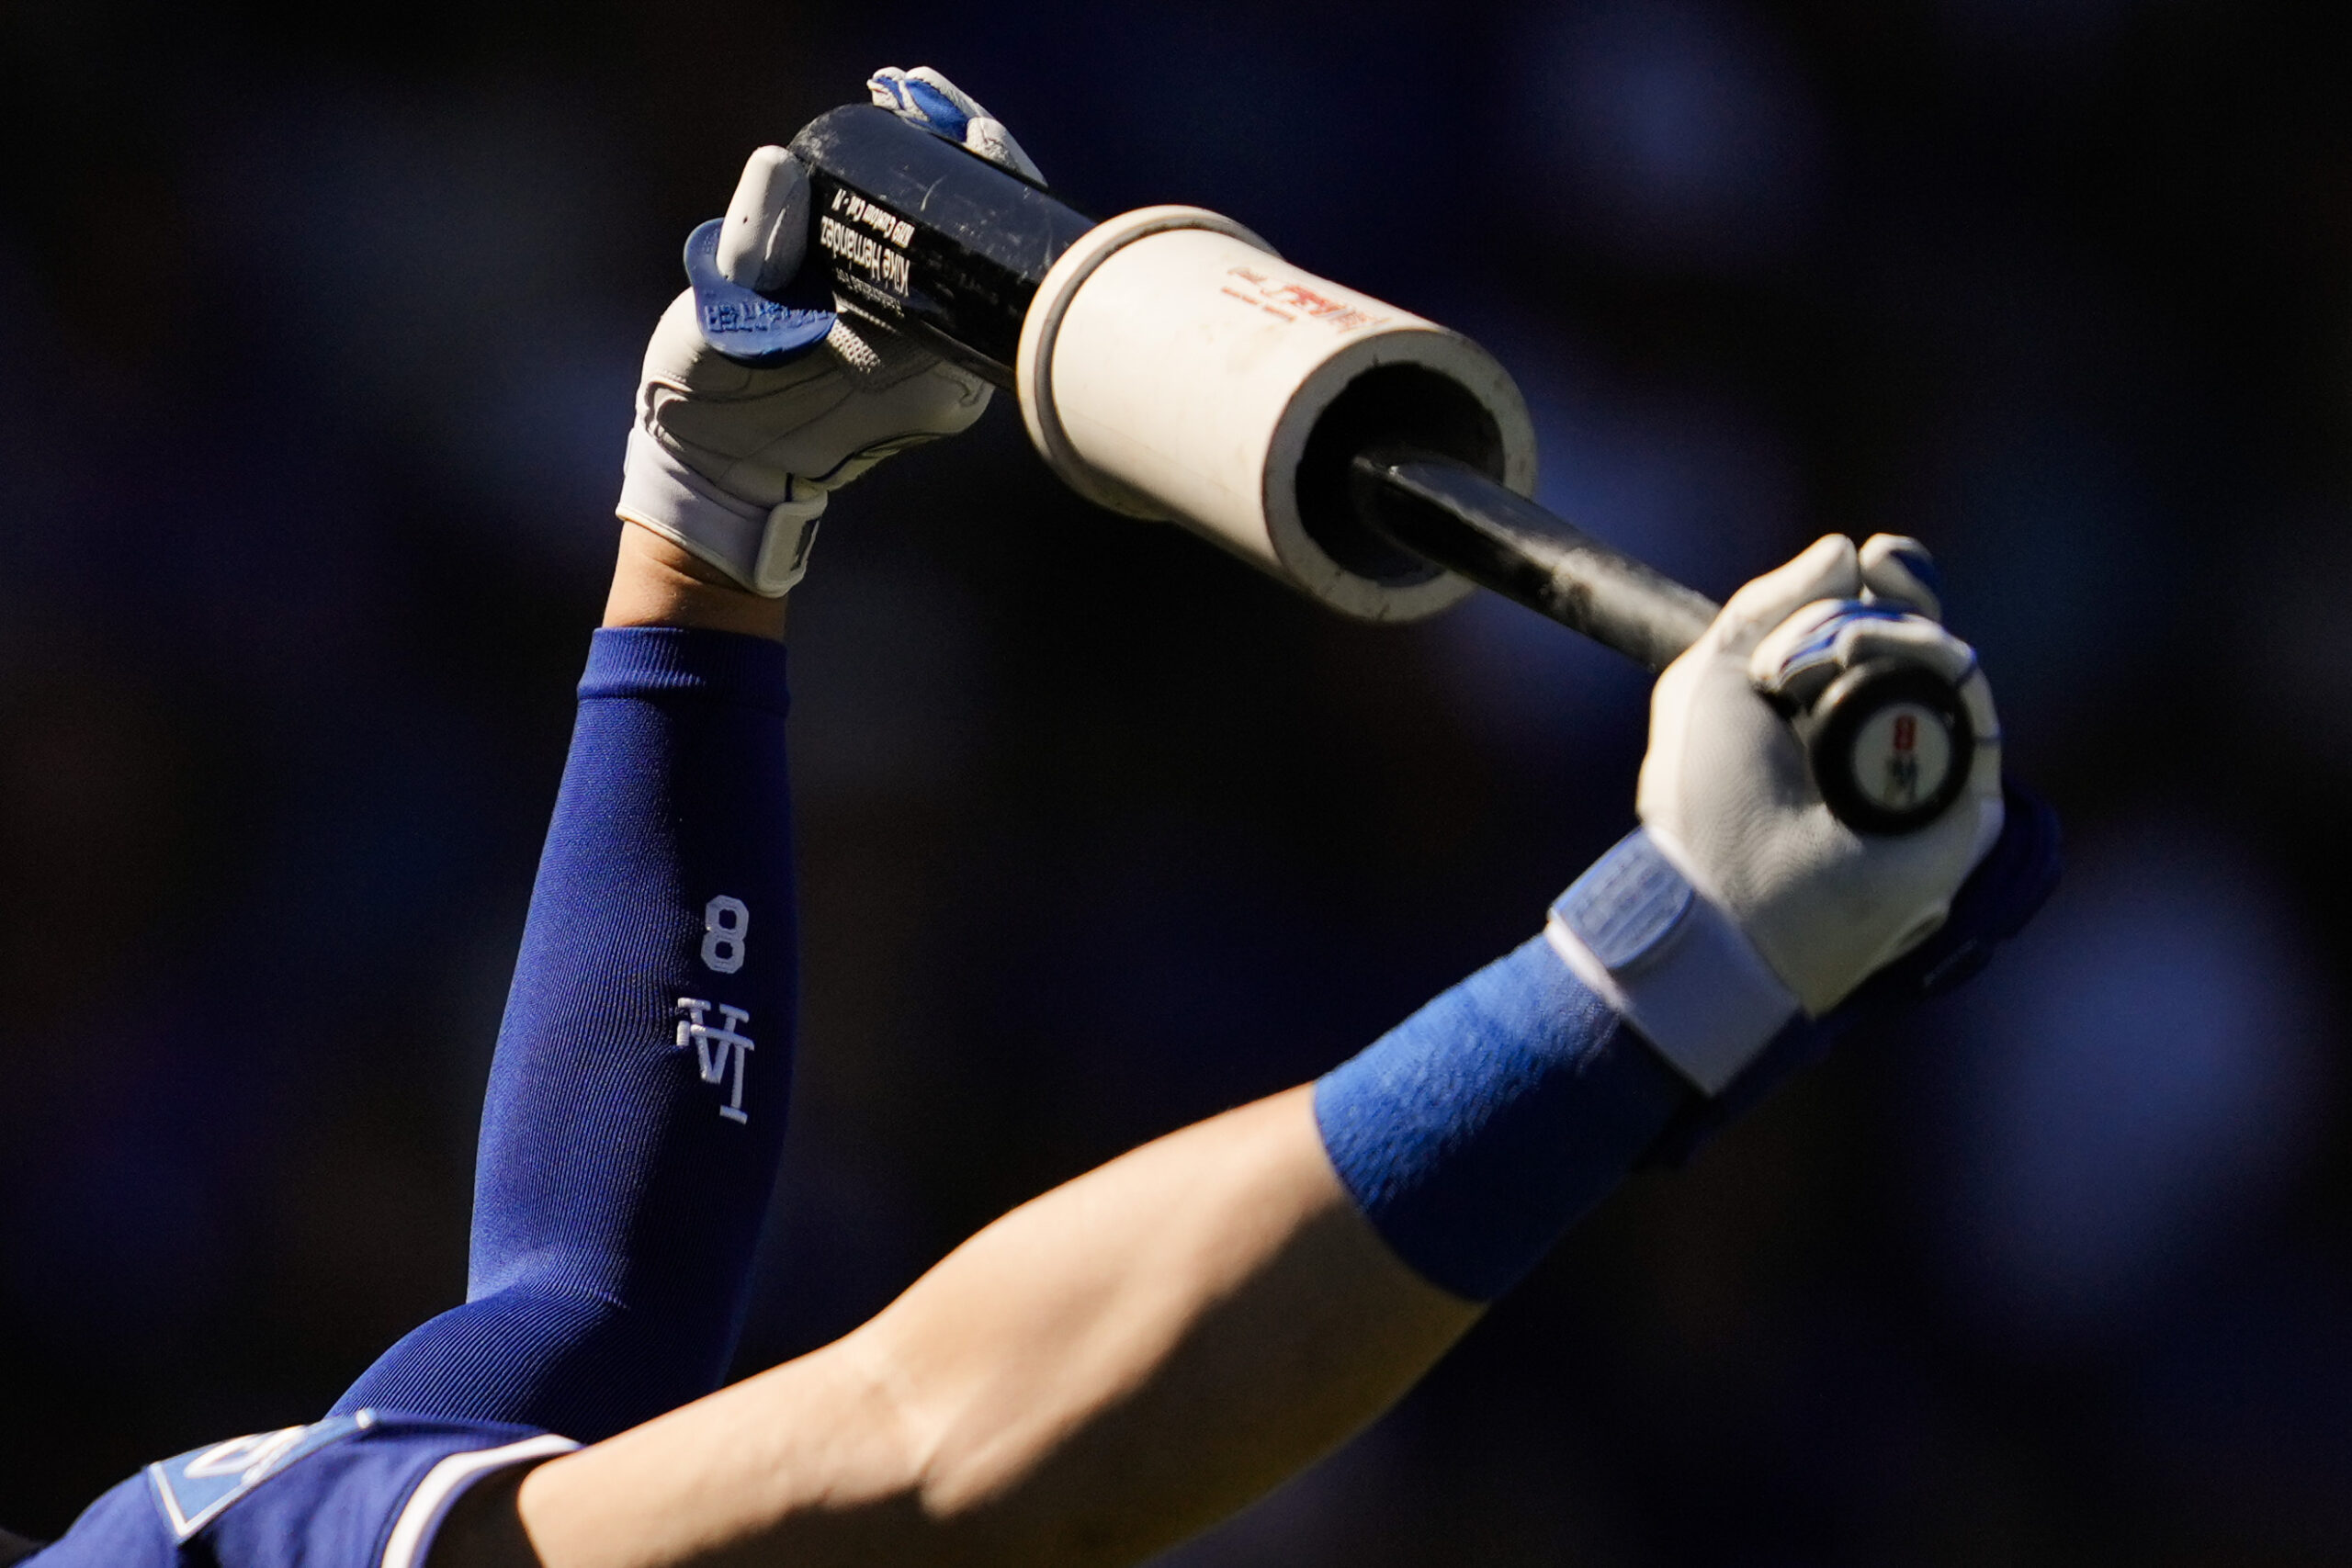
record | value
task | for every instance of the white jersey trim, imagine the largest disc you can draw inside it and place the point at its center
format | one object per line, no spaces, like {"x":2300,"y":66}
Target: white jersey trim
{"x":412,"y":1532}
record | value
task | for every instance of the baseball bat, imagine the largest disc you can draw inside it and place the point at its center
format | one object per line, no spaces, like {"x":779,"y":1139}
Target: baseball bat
{"x":1394,"y":477}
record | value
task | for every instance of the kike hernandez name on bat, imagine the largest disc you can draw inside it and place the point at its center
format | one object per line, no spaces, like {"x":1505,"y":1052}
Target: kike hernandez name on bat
{"x":875,"y":254}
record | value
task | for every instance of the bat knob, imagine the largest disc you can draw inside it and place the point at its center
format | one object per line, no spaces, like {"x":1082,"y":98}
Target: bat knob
{"x":1889,"y":744}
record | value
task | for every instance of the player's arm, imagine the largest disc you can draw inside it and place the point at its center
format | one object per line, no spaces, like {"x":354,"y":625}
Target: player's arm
{"x":1102,"y":1371}
{"x":636,"y":1100}
{"x":1141,"y":1351}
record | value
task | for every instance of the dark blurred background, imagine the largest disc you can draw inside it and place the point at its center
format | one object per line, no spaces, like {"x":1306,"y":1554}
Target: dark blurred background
{"x":318,"y":328}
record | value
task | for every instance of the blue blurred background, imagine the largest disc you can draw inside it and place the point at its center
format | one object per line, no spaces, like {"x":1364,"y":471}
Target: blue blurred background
{"x":318,"y":328}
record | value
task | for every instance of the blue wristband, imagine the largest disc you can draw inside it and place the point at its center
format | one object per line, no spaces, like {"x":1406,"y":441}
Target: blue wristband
{"x":1478,"y":1130}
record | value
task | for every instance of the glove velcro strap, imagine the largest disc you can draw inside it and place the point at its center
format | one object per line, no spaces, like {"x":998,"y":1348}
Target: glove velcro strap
{"x":764,"y":548}
{"x":1675,"y":967}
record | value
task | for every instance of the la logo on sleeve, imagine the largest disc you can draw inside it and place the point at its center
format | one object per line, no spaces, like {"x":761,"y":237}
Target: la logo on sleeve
{"x":193,"y":1488}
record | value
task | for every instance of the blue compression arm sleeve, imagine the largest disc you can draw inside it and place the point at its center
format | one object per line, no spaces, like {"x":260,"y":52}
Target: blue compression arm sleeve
{"x":636,"y":1106}
{"x":1478,"y":1130}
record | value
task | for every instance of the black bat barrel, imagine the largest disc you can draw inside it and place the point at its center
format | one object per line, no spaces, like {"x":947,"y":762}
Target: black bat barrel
{"x":925,"y":233}
{"x":922,"y":232}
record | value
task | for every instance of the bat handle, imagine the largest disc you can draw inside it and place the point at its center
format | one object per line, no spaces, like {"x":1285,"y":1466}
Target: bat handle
{"x":1445,"y":511}
{"x":1889,"y":740}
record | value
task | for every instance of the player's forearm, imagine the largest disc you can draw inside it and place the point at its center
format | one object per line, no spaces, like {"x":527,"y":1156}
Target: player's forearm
{"x":629,"y":1146}
{"x":1098,"y":1374}
{"x":1136,"y":1355}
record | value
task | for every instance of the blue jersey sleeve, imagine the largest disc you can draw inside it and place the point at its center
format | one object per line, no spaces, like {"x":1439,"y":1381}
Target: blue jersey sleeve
{"x":365,"y":1490}
{"x":635,"y":1107}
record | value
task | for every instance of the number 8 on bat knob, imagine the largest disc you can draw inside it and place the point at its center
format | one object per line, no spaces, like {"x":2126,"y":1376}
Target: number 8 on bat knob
{"x":1890,"y":743}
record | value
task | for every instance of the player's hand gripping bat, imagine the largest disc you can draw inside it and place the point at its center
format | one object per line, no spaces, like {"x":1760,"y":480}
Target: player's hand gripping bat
{"x":1170,"y":364}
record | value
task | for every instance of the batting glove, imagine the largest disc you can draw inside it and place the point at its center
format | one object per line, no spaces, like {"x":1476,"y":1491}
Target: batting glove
{"x":2000,"y":895}
{"x":1742,"y":902}
{"x":733,"y":458}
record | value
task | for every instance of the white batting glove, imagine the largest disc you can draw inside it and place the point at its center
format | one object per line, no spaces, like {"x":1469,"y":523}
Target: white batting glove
{"x":930,"y":100}
{"x":735,"y":462}
{"x":1743,"y":901}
